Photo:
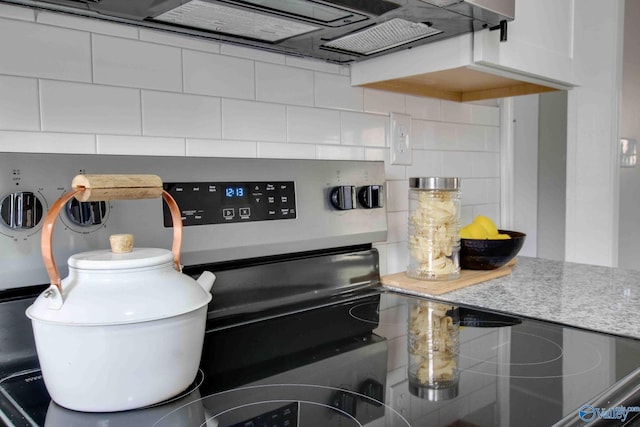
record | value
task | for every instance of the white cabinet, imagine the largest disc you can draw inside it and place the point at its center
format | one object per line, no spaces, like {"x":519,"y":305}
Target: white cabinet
{"x":537,"y":57}
{"x":539,"y":44}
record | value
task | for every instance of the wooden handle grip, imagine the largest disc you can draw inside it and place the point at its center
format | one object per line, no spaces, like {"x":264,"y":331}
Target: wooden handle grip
{"x":116,"y":187}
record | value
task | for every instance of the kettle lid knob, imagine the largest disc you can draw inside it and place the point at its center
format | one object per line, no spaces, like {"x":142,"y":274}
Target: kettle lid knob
{"x":121,"y":243}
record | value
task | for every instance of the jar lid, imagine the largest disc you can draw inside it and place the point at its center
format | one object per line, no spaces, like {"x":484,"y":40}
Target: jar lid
{"x":434,"y":394}
{"x":434,"y":183}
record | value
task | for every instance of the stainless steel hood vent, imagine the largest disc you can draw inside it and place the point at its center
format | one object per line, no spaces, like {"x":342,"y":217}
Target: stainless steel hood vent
{"x":378,"y":38}
{"x":334,"y":30}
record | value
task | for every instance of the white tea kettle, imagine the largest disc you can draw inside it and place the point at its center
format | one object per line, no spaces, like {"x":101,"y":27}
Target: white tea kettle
{"x":125,"y":328}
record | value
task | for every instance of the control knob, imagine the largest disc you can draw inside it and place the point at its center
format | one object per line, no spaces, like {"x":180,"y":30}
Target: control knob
{"x":86,"y":214}
{"x":343,"y":197}
{"x":371,"y":196}
{"x":21,"y":210}
{"x":345,"y":402}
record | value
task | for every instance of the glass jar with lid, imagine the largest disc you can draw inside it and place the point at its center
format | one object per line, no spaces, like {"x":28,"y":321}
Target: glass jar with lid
{"x":434,"y":225}
{"x":433,"y":347}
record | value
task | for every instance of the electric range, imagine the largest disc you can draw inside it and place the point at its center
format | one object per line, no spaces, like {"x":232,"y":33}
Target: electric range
{"x":299,"y":331}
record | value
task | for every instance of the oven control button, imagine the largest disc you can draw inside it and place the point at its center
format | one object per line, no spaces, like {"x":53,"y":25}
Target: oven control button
{"x":86,"y":214}
{"x":374,"y":390}
{"x":21,"y":210}
{"x":345,"y":401}
{"x":371,"y":196}
{"x":343,"y":197}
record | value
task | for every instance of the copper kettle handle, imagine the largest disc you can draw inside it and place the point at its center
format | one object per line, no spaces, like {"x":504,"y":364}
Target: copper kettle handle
{"x":103,"y":188}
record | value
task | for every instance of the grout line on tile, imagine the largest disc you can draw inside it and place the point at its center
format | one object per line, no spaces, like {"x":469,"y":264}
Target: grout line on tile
{"x":91,"y":46}
{"x":40,"y":120}
{"x":182,"y":76}
{"x":141,"y":97}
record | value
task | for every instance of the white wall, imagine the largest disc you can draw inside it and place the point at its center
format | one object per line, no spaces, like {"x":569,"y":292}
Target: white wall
{"x":592,"y":134}
{"x":73,"y":85}
{"x":630,"y":128}
{"x":552,"y":175}
{"x":525,"y":166}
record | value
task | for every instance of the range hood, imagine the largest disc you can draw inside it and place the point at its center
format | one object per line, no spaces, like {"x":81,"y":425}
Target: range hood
{"x":340,"y":31}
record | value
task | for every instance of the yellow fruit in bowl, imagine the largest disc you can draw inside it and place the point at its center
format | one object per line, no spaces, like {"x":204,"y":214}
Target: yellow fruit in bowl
{"x":500,"y":236}
{"x":488,"y":224}
{"x":482,"y":227}
{"x":473,"y":231}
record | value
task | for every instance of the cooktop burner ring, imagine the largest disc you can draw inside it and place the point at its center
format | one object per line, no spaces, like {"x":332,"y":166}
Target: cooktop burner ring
{"x":295,"y":391}
{"x":557,"y":357}
{"x":195,"y":385}
{"x":593,"y":366}
{"x":352,"y":312}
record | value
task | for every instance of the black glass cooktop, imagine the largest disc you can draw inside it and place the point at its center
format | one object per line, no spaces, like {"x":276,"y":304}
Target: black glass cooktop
{"x":398,"y":361}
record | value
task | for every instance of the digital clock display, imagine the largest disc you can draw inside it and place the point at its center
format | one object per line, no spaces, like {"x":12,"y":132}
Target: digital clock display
{"x":235,"y":192}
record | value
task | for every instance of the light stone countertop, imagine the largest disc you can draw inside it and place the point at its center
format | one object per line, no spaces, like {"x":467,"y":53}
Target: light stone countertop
{"x":593,"y":297}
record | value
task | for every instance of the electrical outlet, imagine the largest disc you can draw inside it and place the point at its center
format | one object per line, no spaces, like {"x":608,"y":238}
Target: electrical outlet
{"x":400,"y":138}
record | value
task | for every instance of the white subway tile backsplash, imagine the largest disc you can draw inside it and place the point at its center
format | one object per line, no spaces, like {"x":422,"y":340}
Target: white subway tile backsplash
{"x":422,"y":108}
{"x":220,"y":75}
{"x":474,"y":191}
{"x":458,"y":163}
{"x":171,"y":39}
{"x":140,"y":145}
{"x":339,"y":152}
{"x":313,"y":125}
{"x":455,"y":112}
{"x":180,"y":115}
{"x":378,"y":101}
{"x":445,"y":137}
{"x":422,"y":134}
{"x":397,"y":196}
{"x":484,"y":115}
{"x":486,"y":165}
{"x":218,"y":148}
{"x":44,"y":142}
{"x":282,"y":84}
{"x":345,"y":71}
{"x":253,"y":121}
{"x":19,"y":105}
{"x":123,"y":62}
{"x":312,"y":64}
{"x":470,"y":137}
{"x":492,"y":139}
{"x":397,"y":226}
{"x":493,"y":190}
{"x":89,"y":25}
{"x":249,"y":53}
{"x":466,"y":213}
{"x":425,"y":163}
{"x":397,"y":260}
{"x":364,"y":129}
{"x":17,"y":12}
{"x":34,"y":50}
{"x":333,"y":91}
{"x":391,"y":172}
{"x":80,"y":107}
{"x":281,"y":150}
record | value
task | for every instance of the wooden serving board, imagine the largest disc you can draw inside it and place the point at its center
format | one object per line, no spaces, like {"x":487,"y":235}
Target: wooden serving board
{"x":467,"y":278}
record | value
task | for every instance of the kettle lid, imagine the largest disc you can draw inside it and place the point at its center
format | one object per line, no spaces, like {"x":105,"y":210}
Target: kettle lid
{"x":107,"y":260}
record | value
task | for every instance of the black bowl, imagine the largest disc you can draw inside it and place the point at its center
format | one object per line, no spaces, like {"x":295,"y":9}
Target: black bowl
{"x":484,"y":254}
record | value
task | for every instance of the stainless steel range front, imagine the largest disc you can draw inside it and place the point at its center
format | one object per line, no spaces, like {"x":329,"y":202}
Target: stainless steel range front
{"x":299,"y":331}
{"x":232,"y":208}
